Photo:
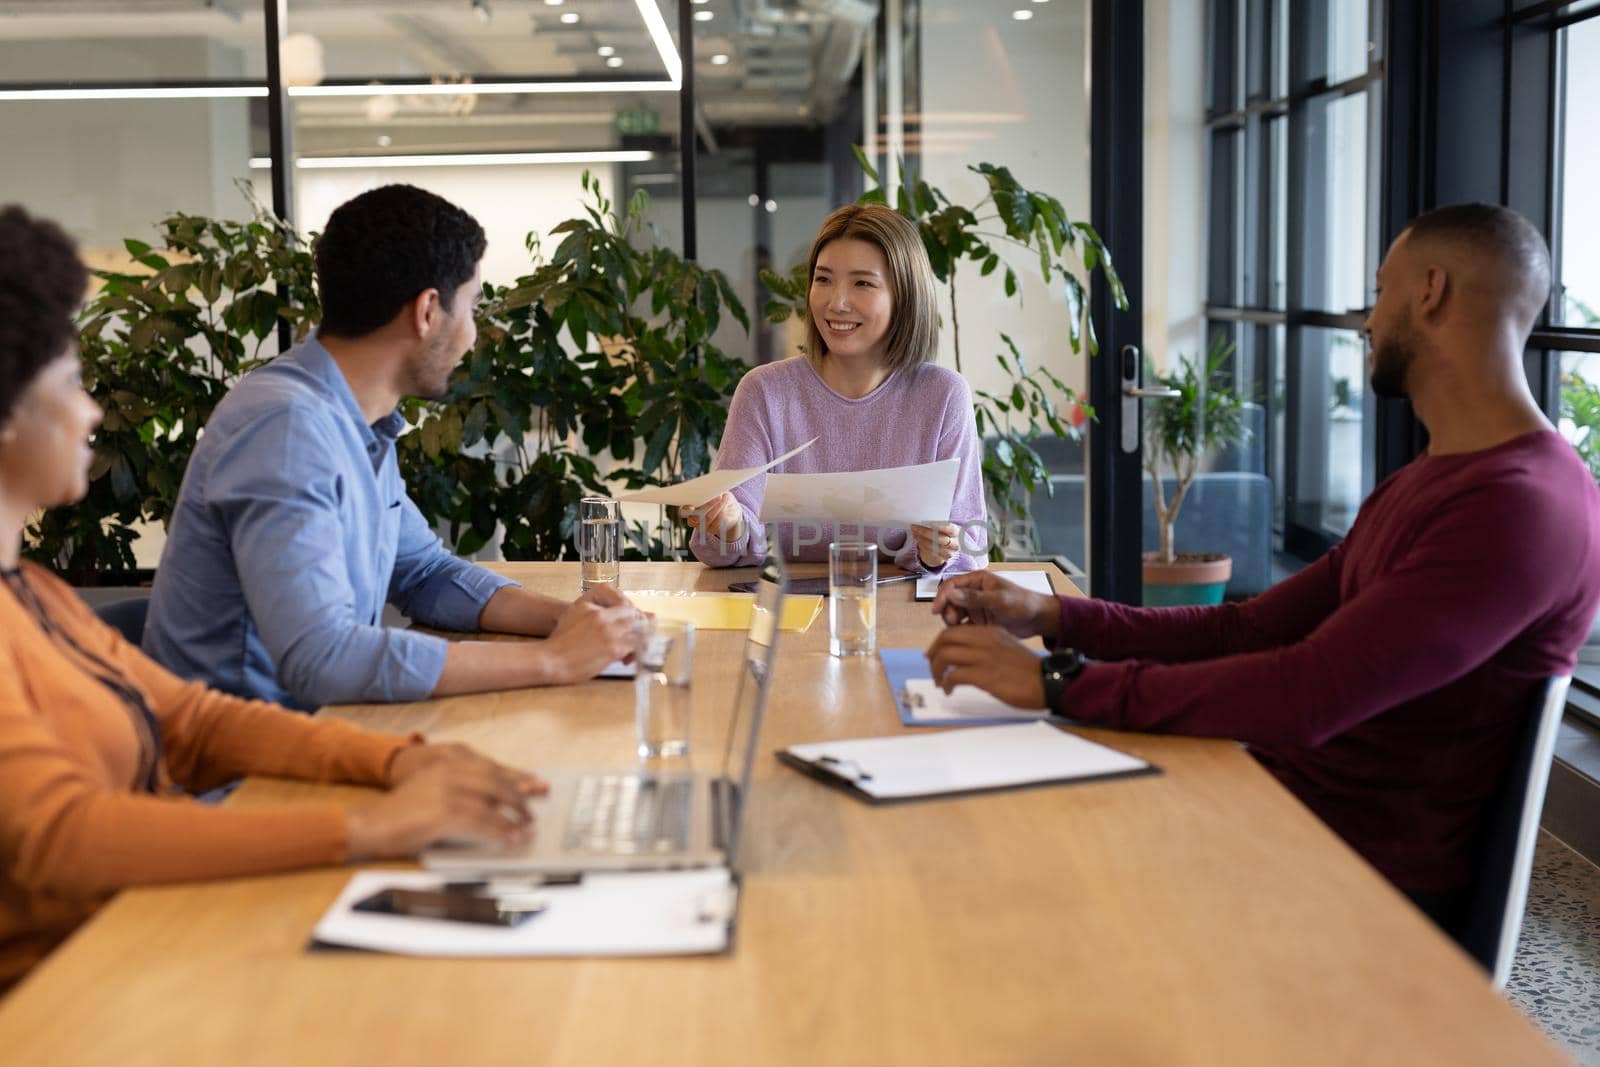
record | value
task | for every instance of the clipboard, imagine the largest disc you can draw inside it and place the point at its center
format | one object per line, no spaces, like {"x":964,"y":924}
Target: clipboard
{"x":955,"y":763}
{"x":901,"y":665}
{"x":691,"y":912}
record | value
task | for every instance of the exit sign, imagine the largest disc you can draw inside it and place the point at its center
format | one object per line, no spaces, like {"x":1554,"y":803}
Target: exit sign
{"x":638,"y":120}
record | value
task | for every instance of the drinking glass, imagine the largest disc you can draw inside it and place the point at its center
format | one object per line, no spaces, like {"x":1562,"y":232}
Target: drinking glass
{"x":661,"y":688}
{"x":599,"y":541}
{"x":852,"y":598}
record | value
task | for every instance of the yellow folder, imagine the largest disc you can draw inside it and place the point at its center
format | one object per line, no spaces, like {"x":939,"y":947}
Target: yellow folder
{"x":723,"y":611}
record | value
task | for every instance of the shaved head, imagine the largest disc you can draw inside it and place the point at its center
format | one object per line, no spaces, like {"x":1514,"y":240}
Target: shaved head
{"x":1496,"y":257}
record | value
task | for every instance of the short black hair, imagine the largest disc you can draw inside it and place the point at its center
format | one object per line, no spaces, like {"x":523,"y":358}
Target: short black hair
{"x":383,"y":248}
{"x":42,"y":282}
{"x":1498,"y":238}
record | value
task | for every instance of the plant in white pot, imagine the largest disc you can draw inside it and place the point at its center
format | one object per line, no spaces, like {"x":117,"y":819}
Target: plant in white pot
{"x":1205,"y":414}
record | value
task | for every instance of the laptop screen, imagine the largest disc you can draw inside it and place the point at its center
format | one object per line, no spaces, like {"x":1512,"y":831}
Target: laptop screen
{"x":750,"y":695}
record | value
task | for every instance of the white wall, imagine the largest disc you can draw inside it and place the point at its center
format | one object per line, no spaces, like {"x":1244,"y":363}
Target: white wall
{"x":108,"y":170}
{"x":1014,"y":94}
{"x":509,"y":202}
{"x":1174,"y":181}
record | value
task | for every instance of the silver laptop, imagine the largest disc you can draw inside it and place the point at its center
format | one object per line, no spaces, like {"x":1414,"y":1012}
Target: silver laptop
{"x":635,"y":820}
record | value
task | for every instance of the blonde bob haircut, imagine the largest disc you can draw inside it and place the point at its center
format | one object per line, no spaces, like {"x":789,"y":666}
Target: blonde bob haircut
{"x":914,"y":331}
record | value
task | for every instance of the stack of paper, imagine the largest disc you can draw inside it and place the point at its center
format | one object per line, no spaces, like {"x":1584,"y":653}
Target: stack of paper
{"x":1037,"y":581}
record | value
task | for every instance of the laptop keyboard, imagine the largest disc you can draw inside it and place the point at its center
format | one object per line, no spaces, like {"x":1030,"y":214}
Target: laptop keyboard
{"x":630,"y":815}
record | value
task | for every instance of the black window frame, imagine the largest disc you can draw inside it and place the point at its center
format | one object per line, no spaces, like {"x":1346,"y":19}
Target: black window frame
{"x":1532,"y":177}
{"x":1244,"y":234}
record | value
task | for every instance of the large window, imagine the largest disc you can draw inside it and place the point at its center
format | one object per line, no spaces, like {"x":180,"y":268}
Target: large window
{"x":1558,"y":67}
{"x":1292,"y":242}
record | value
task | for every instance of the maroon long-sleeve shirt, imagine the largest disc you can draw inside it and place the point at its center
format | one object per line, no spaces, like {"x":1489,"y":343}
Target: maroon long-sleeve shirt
{"x":1386,"y":684}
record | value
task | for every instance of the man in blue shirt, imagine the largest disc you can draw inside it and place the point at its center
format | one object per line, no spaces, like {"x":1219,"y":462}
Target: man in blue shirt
{"x":293,"y":526}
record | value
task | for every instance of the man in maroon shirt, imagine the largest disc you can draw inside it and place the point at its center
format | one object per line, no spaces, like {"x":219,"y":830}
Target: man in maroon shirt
{"x":1386,"y":684}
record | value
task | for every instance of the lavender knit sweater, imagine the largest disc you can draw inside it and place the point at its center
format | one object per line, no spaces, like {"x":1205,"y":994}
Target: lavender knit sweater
{"x":920,"y":415}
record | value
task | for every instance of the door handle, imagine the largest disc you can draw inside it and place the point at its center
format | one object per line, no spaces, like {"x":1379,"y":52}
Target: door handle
{"x":1132,"y":392}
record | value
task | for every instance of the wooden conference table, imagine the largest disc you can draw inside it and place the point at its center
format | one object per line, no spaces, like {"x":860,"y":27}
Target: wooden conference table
{"x":1199,"y":917}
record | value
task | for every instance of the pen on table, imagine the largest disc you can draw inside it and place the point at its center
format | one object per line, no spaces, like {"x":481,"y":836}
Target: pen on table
{"x":898,"y":578}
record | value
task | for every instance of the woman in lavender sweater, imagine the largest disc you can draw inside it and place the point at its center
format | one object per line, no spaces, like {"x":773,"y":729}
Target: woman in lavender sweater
{"x":868,"y":390}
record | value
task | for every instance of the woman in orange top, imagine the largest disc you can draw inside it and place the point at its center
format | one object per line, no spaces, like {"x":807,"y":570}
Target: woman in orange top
{"x":100,"y":747}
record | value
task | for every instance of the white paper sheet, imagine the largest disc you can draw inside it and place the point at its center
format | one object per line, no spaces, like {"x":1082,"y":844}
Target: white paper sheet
{"x":955,"y":761}
{"x":928,"y":703}
{"x":895,"y":496}
{"x":659,"y":913}
{"x":618,"y":669}
{"x":1037,"y":581}
{"x":707,"y":487}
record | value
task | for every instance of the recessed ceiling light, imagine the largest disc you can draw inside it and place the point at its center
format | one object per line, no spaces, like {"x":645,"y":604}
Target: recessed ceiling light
{"x":702,"y":1}
{"x":384,"y":140}
{"x":606,"y":50}
{"x":704,"y":16}
{"x":720,"y":59}
{"x":754,"y":200}
{"x":482,"y":10}
{"x":554,"y":3}
{"x":614,"y":61}
{"x":570,"y":17}
{"x":1022,"y":14}
{"x":771,"y":206}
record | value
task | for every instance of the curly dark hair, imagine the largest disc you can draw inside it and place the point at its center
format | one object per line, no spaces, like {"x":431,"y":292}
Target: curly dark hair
{"x":383,"y":248}
{"x":42,"y":281}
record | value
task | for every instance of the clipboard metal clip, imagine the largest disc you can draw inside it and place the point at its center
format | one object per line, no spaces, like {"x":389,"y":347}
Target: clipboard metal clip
{"x":912,"y":700}
{"x":849,"y":770}
{"x":719,"y":905}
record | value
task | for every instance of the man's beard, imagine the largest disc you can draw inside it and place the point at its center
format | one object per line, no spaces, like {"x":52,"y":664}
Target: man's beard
{"x":430,"y":376}
{"x":1391,"y":363}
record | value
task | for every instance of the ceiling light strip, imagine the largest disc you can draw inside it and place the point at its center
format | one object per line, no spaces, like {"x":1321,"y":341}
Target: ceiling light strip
{"x":166,"y":92}
{"x":471,"y":159}
{"x":651,"y":14}
{"x":485,"y":88}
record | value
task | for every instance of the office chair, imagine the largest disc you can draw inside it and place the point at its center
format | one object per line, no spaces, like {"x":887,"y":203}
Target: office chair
{"x":1494,"y":917}
{"x":127,"y":616}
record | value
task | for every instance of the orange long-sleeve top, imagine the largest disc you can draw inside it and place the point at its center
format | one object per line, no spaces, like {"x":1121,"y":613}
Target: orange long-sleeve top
{"x":79,"y":818}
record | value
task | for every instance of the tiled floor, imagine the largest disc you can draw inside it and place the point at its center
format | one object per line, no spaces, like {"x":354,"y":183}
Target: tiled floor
{"x":1556,"y":977}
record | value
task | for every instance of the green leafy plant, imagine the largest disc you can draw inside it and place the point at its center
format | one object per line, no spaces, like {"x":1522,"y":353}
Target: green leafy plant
{"x":1010,"y":220}
{"x":159,"y":350}
{"x":1205,"y":414}
{"x":603,"y":349}
{"x":1580,"y":405}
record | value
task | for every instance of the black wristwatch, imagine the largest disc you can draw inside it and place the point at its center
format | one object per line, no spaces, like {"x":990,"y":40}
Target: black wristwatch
{"x":1058,"y":669}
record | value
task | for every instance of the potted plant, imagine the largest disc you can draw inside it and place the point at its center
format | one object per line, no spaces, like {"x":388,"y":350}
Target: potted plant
{"x":1202,"y":413}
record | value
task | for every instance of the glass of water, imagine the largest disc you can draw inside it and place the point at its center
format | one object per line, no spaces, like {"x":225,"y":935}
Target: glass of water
{"x":661,"y":688}
{"x":599,"y":541}
{"x":852,"y":598}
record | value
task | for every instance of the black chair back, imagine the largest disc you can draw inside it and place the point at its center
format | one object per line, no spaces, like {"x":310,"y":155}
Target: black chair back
{"x":1494,"y":918}
{"x":126,"y":616}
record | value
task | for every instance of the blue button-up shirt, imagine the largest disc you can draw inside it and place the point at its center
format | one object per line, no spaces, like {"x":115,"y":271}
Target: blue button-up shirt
{"x":292,"y":529}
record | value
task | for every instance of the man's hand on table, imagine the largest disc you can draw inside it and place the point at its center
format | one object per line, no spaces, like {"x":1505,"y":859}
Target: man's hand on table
{"x":600,"y":627}
{"x":989,"y":658}
{"x":985,"y":599}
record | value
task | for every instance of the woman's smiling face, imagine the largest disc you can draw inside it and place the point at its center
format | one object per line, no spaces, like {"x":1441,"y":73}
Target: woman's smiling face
{"x":850,"y":301}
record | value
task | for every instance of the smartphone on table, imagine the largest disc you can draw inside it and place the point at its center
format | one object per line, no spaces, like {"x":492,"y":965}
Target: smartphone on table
{"x":456,"y":905}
